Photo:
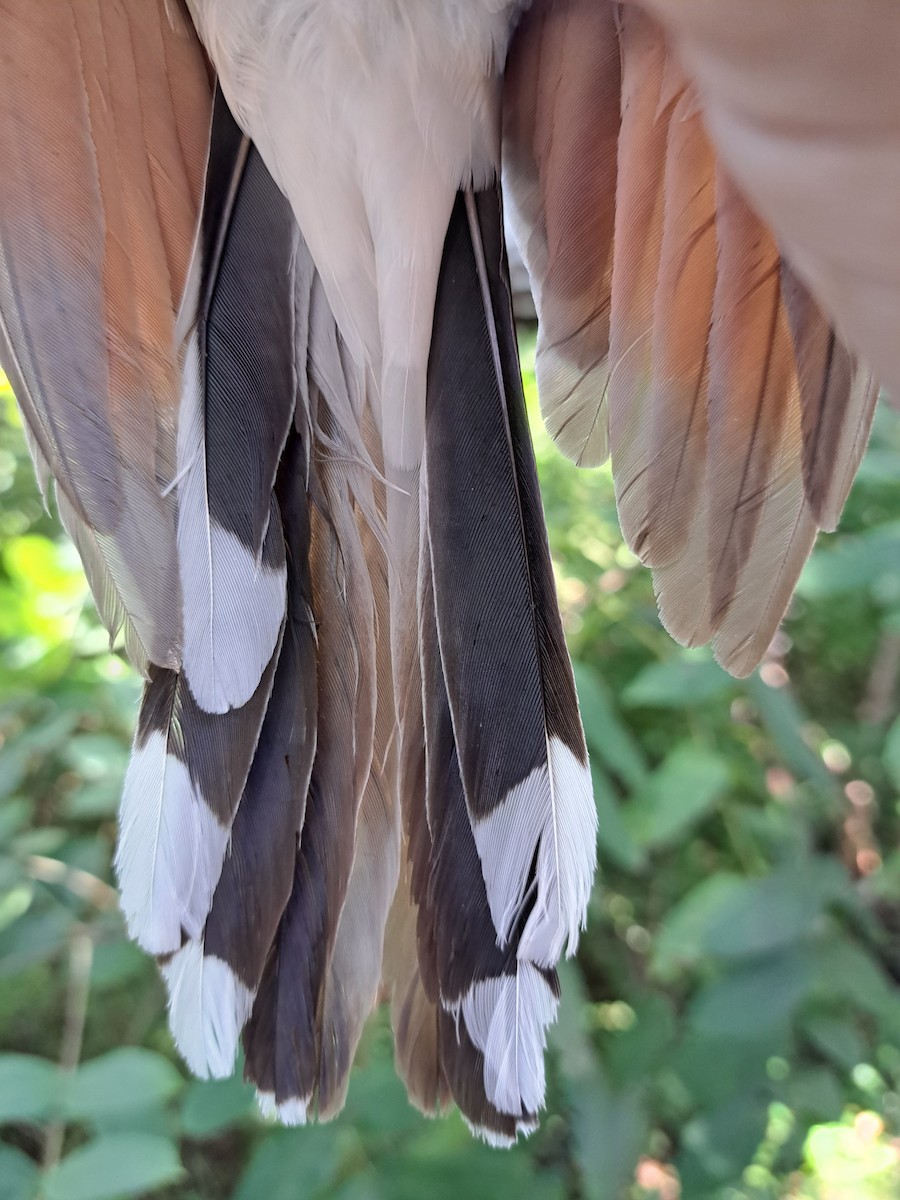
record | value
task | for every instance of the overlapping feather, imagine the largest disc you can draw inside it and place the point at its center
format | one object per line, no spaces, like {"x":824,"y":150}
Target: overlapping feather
{"x":736,"y":416}
{"x":98,"y":212}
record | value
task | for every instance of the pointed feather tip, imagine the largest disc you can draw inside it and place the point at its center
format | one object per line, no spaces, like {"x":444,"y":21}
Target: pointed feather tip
{"x":507,"y":1019}
{"x":170,"y":850}
{"x":574,"y":405}
{"x":208,"y":1008}
{"x":288,"y":1112}
{"x":550,"y":814}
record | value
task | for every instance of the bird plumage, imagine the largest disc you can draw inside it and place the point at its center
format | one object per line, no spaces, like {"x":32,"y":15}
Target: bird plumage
{"x":272,"y":369}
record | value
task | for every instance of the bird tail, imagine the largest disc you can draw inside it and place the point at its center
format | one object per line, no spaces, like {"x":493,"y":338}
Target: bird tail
{"x":330,"y":640}
{"x":499,"y":815}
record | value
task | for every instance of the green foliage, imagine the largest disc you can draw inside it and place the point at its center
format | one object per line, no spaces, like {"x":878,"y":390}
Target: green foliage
{"x":731,"y":1027}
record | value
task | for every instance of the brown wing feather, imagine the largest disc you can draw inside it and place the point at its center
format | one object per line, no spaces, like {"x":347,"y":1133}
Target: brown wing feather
{"x":681,"y":323}
{"x":837,"y":400}
{"x":561,"y":128}
{"x":104,"y":122}
{"x":736,"y":416}
{"x":640,"y":208}
{"x":803,"y":102}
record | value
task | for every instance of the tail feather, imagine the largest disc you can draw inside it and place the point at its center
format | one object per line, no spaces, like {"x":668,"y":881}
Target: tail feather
{"x":528,"y":791}
{"x":213,"y":980}
{"x":354,"y":972}
{"x":239,"y":364}
{"x":282,"y":1037}
{"x":185,"y":779}
{"x":504,"y":1002}
{"x":415,"y":1014}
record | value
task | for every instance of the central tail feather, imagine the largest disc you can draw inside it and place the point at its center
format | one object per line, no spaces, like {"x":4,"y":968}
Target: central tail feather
{"x":213,"y":980}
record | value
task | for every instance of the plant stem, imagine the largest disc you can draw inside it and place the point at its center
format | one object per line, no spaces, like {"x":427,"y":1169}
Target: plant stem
{"x":81,"y":955}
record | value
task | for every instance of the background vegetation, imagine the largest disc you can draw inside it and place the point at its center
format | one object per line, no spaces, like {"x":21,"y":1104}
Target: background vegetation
{"x":731,"y":1028}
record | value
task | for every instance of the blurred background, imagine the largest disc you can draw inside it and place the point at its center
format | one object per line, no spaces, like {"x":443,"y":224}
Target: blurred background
{"x":731,"y":1027}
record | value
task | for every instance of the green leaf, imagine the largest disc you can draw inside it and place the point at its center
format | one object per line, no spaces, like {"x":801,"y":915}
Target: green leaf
{"x":34,"y":939}
{"x":815,"y":1093}
{"x":212,"y":1105}
{"x":679,"y":943}
{"x":762,"y":915}
{"x":845,"y":970}
{"x":18,"y":1175}
{"x":837,"y":1038}
{"x":631,"y":1054}
{"x":686,"y":681}
{"x":609,"y":1129}
{"x":29,"y":1087}
{"x":676,"y":796}
{"x":116,"y":1165}
{"x":615,"y":842}
{"x":116,"y":962}
{"x":292,"y":1164}
{"x":755,"y":997}
{"x":891,"y":753}
{"x":784,"y":721}
{"x":608,"y":1124}
{"x":126,"y":1080}
{"x":851,"y":562}
{"x":608,"y":739}
{"x":718,"y":1145}
{"x":443,"y":1163}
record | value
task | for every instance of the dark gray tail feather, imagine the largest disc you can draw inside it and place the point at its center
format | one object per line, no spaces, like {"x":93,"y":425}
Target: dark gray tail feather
{"x":213,"y":981}
{"x":505,"y":778}
{"x":500,"y":1004}
{"x":184,"y":782}
{"x":238,"y":400}
{"x":189,"y":822}
{"x":509,"y":681}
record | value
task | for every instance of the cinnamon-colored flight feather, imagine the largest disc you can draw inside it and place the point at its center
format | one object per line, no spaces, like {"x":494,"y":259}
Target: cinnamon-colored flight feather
{"x":803,"y":104}
{"x":677,"y":436}
{"x":104,"y":123}
{"x":561,"y":127}
{"x":640,"y":208}
{"x":736,"y":416}
{"x":837,"y":400}
{"x":752,"y":389}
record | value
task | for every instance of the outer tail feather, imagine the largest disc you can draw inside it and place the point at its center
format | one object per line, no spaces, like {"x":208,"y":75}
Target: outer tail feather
{"x":214,"y":979}
{"x":239,"y":364}
{"x":186,"y":776}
